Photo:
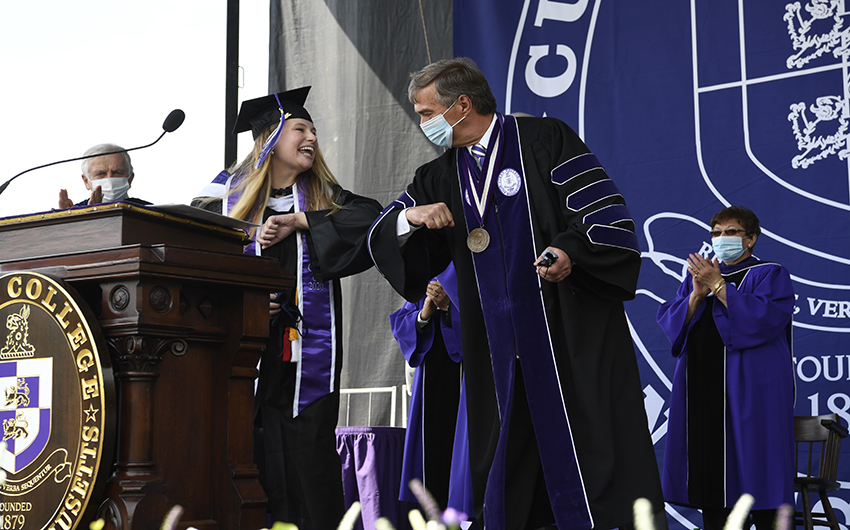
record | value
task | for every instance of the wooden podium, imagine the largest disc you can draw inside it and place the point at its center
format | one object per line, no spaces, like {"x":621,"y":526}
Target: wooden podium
{"x":185,"y":317}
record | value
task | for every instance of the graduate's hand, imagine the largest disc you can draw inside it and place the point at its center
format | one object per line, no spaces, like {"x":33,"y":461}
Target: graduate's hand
{"x":560,"y":269}
{"x":277,"y":227}
{"x":274,"y":307}
{"x":64,"y":201}
{"x":433,"y":216}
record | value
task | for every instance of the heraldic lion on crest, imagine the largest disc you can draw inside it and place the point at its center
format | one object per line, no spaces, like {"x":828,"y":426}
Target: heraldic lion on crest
{"x":18,"y":395}
{"x":17,"y":344}
{"x":15,"y":427}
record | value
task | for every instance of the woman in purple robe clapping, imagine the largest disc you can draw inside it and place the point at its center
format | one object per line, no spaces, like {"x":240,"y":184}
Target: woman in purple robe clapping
{"x":731,"y":428}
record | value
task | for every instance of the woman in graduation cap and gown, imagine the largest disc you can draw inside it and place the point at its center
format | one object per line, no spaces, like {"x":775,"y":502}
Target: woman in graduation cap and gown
{"x":731,"y":428}
{"x":317,"y":231}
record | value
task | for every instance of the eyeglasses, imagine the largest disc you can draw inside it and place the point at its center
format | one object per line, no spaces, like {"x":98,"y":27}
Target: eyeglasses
{"x":727,"y":232}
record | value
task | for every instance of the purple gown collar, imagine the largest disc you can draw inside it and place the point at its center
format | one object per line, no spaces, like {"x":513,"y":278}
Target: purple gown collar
{"x":747,"y":263}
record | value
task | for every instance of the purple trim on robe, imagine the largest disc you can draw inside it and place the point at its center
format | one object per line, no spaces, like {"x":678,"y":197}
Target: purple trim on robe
{"x":613,"y":237}
{"x":516,"y":325}
{"x":592,"y":193}
{"x":575,"y":167}
{"x":318,"y":344}
{"x":230,"y":182}
{"x":609,"y":215}
{"x":221,"y":178}
{"x":404,"y":201}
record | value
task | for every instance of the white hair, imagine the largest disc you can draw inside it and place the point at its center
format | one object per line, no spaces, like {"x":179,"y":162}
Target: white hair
{"x":106,"y":148}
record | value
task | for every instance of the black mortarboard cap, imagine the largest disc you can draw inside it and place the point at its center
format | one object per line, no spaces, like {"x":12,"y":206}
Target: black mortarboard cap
{"x":256,"y":115}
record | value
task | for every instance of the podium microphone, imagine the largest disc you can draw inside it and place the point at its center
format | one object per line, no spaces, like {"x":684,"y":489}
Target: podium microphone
{"x":172,"y":122}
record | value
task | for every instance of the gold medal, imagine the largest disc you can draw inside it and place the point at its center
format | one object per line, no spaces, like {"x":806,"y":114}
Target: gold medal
{"x":478,"y":240}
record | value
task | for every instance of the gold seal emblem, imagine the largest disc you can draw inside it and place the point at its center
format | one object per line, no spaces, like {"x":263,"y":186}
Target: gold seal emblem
{"x":478,"y":240}
{"x":56,"y":405}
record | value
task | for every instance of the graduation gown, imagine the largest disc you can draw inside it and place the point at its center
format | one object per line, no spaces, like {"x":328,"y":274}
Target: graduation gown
{"x":731,"y":427}
{"x":298,"y":402}
{"x":434,"y":351}
{"x":570,"y":338}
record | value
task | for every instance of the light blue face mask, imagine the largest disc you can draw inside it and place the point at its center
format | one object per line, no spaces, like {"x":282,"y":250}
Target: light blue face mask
{"x":438,"y":130}
{"x":728,"y":248}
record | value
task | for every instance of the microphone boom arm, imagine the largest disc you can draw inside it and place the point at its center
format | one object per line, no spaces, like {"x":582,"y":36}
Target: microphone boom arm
{"x":172,"y":122}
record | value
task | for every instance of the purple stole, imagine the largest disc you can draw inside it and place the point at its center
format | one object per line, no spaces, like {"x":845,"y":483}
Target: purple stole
{"x":315,"y":350}
{"x":516,"y":323}
{"x":231,"y":181}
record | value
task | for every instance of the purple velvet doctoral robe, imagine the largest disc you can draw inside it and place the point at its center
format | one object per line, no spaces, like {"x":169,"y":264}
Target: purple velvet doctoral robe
{"x":570,"y":338}
{"x":431,"y":453}
{"x":731,"y":428}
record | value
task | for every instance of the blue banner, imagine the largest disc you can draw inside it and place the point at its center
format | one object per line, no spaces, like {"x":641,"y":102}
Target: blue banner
{"x":691,"y":107}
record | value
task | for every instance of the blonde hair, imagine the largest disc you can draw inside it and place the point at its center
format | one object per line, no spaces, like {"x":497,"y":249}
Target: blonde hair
{"x":255,"y":185}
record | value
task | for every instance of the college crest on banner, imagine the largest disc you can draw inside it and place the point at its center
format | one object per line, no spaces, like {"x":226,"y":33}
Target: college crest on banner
{"x":56,"y":405}
{"x":690,"y":107}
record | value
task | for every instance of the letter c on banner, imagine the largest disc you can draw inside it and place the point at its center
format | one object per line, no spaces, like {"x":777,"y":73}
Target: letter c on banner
{"x":549,"y":87}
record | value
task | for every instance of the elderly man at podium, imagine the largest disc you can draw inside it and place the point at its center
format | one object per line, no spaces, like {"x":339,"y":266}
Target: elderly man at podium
{"x":107,"y":177}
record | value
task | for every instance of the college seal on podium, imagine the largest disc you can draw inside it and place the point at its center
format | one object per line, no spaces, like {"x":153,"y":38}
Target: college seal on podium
{"x":57,"y":405}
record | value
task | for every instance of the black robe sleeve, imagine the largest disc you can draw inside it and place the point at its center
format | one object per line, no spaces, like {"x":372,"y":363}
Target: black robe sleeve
{"x":339,"y":239}
{"x":596,"y":230}
{"x":425,"y":254}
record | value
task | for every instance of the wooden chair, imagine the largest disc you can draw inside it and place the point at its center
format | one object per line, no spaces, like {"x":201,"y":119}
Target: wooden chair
{"x":821,"y":435}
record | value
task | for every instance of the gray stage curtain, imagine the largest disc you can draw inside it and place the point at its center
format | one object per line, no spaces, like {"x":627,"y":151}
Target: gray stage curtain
{"x":357,"y":55}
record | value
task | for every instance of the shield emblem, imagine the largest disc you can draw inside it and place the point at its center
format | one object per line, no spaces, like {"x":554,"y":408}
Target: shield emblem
{"x":25,"y":408}
{"x":772,"y":114}
{"x":771,"y":127}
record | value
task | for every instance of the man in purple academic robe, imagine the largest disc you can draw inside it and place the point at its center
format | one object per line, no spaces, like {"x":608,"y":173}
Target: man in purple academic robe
{"x":557,"y":429}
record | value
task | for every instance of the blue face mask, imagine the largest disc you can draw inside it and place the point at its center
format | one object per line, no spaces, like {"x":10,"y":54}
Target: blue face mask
{"x":728,"y":248}
{"x":438,"y":130}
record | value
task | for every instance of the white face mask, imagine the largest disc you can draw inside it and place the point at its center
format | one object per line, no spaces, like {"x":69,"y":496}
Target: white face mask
{"x":113,"y":188}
